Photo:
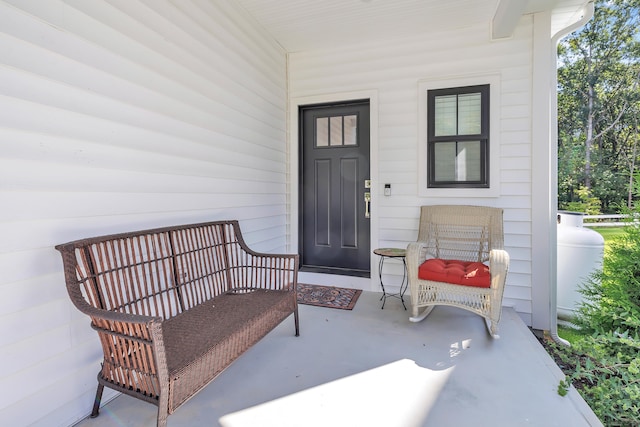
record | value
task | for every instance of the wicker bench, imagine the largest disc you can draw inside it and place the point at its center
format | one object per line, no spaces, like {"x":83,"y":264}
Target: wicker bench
{"x":173,"y":307}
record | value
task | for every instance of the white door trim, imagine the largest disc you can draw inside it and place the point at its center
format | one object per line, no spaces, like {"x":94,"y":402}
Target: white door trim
{"x":294,"y":167}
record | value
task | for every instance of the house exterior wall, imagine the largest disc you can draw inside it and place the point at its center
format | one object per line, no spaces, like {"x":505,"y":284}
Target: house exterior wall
{"x":120,"y":115}
{"x":397,"y":72}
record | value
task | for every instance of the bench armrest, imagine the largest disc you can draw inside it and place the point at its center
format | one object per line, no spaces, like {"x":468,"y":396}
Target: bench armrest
{"x":265,"y":271}
{"x":133,"y":351}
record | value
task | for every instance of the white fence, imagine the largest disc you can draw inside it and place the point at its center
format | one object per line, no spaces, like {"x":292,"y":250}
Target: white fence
{"x":605,"y":220}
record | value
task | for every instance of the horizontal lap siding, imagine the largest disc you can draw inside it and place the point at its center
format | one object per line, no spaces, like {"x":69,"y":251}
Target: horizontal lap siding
{"x":394,"y":70}
{"x":119,"y":115}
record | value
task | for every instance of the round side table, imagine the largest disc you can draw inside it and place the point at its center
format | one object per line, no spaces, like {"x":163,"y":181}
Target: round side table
{"x":394,"y":253}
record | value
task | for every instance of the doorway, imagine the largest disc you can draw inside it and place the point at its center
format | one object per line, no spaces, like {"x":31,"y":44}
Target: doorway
{"x":335,"y":209}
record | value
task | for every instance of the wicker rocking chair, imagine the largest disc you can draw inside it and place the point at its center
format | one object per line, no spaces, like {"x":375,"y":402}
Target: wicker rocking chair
{"x":458,"y":260}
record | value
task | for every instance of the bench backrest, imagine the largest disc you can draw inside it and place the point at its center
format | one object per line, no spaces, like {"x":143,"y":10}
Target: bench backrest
{"x":466,"y":233}
{"x":159,"y":272}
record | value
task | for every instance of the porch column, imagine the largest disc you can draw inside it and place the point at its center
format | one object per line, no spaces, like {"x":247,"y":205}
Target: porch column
{"x":544,"y":175}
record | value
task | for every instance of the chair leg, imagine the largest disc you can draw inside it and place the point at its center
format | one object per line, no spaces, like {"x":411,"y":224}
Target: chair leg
{"x":492,"y":328}
{"x":162,"y":418}
{"x":297,"y":322}
{"x":419,"y":317}
{"x":163,"y":407}
{"x":96,"y":403}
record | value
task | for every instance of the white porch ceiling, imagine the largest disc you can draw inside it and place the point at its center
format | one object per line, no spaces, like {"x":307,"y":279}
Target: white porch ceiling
{"x":300,"y":25}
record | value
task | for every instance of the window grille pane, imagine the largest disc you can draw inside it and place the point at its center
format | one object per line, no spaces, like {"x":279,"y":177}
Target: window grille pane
{"x":322,"y":132}
{"x":468,"y":161}
{"x":445,"y":161}
{"x":350,"y":130}
{"x":469,"y":114}
{"x":336,"y":131}
{"x":445,"y":115}
{"x":457,"y":161}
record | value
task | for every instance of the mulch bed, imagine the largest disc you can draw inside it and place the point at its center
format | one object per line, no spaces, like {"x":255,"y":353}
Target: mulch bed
{"x":566,"y":366}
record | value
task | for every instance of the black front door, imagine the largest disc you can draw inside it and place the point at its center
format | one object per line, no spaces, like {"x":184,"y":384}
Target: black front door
{"x":334,"y":220}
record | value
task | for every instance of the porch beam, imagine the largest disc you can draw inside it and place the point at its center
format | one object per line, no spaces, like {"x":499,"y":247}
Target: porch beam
{"x":506,"y":18}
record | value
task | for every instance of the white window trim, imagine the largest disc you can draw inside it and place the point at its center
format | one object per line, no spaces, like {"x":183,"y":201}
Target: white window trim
{"x":493,"y":80}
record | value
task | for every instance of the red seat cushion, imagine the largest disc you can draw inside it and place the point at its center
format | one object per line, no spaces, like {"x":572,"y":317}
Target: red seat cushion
{"x":456,"y":272}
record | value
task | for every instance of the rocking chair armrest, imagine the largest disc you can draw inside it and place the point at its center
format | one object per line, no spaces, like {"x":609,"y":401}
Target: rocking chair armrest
{"x":498,"y":265}
{"x":416,"y":254}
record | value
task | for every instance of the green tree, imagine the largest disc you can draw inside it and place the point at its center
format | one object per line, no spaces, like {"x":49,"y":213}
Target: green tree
{"x":598,"y":105}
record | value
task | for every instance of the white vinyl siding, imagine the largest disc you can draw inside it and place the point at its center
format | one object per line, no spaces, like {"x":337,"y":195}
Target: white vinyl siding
{"x":394,"y":71}
{"x":120,"y":115}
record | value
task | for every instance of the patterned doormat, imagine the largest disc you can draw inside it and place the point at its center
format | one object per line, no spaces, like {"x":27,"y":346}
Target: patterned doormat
{"x":328,"y":296}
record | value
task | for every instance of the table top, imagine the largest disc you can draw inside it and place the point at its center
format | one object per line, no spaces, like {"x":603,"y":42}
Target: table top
{"x":390,"y":252}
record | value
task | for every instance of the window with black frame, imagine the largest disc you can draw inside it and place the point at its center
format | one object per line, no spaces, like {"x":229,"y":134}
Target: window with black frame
{"x":458,"y":137}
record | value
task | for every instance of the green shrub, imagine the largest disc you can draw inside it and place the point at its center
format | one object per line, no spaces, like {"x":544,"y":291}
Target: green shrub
{"x":605,"y":369}
{"x":612,"y":295}
{"x":604,"y":364}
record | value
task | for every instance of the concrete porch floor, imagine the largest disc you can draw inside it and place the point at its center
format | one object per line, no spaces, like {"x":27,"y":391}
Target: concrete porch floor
{"x":372,"y":367}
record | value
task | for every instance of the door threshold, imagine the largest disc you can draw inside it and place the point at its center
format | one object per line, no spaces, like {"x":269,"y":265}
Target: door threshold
{"x":351,"y":282}
{"x":336,"y":271}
